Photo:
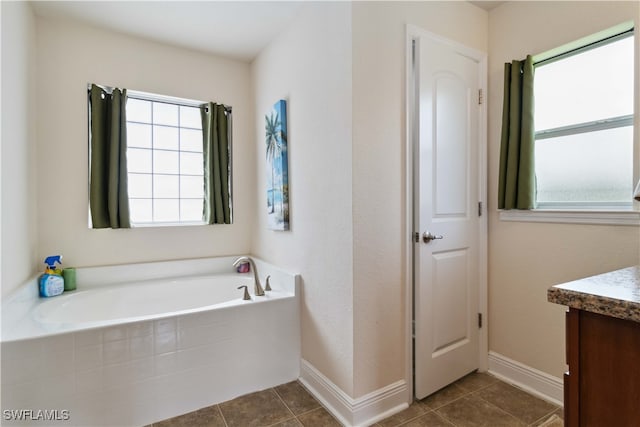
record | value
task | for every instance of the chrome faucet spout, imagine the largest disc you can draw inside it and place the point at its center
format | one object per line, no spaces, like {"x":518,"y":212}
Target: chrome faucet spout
{"x":257,"y":286}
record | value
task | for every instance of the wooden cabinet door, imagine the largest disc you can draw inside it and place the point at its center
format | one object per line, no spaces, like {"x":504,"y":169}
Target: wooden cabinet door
{"x":604,"y":371}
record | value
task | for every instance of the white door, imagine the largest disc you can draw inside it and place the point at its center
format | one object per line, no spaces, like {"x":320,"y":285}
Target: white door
{"x":446,"y":205}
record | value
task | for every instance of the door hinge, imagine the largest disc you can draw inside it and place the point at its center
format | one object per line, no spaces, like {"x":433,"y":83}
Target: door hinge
{"x":479,"y":320}
{"x":416,"y":237}
{"x":480,"y":97}
{"x":479,"y":208}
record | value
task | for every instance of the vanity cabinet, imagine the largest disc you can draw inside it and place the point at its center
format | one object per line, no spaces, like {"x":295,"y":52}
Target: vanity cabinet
{"x":602,"y":384}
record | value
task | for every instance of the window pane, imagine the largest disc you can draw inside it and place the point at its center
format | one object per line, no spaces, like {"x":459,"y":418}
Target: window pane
{"x":165,"y":114}
{"x":190,"y":117}
{"x":165,"y":138}
{"x":140,"y":210}
{"x":166,"y":186}
{"x":191,"y":210}
{"x":165,"y":162}
{"x":138,"y":110}
{"x":166,"y":210}
{"x":138,"y":135}
{"x":191,"y":140}
{"x":191,"y":163}
{"x":589,"y":167}
{"x":596,"y":84}
{"x":192,"y":186}
{"x":139,"y":160}
{"x":139,"y":185}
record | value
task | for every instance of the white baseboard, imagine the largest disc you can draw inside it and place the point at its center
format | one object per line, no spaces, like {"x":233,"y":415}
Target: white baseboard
{"x":536,"y":382}
{"x":363,"y":411}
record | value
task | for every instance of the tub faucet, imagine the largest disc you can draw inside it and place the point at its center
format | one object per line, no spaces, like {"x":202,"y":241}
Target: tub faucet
{"x":258,"y":287}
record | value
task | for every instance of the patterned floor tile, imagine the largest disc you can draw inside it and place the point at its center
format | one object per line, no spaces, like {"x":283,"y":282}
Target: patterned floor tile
{"x":472,"y":411}
{"x":297,"y":398}
{"x":516,"y":402}
{"x":476,"y":381}
{"x":263,"y":408}
{"x":430,"y":419}
{"x":205,"y":417}
{"x":444,"y":396}
{"x":413,"y":411}
{"x":318,"y":418}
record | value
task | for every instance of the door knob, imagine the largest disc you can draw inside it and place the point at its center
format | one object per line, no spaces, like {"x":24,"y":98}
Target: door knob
{"x":427,"y":237}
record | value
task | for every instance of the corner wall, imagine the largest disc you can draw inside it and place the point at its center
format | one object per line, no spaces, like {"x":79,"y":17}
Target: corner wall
{"x":309,"y":65}
{"x":18,"y":176}
{"x":345,"y":70}
{"x":525,"y":259}
{"x":70,"y":55}
{"x":379,"y":174}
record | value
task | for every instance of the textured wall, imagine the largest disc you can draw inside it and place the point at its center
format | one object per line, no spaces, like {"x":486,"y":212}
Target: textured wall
{"x":70,"y":56}
{"x":379,"y":173}
{"x":526,"y":258}
{"x":18,"y":200}
{"x":309,"y":65}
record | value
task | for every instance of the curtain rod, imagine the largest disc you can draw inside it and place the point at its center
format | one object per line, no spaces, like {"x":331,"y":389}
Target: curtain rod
{"x":544,"y":58}
{"x":146,"y":96}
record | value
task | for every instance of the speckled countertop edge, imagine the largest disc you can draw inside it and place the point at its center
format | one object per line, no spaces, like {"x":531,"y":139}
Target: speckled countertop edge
{"x":615,"y":294}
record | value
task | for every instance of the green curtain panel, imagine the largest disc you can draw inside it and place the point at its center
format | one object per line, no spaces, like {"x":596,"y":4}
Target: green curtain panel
{"x":215,"y":131}
{"x":517,"y":181}
{"x":108,"y":195}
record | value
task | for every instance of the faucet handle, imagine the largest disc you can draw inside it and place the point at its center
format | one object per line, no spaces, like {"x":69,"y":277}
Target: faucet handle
{"x":267,"y":286}
{"x":246,"y":292}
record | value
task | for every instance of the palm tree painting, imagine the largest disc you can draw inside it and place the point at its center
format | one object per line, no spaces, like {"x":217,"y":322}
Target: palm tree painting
{"x":277,"y":167}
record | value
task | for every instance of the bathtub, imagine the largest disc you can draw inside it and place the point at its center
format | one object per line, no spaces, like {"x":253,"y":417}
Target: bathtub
{"x":146,"y":299}
{"x":135,"y":344}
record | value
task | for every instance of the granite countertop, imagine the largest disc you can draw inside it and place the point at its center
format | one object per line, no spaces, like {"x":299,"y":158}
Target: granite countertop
{"x":615,"y":294}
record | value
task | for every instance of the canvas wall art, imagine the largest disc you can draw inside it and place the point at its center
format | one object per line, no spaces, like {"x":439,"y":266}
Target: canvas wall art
{"x":277,"y":167}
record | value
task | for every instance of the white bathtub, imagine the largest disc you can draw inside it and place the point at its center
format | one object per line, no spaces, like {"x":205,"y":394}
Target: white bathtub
{"x":147,"y":299}
{"x":134,"y":345}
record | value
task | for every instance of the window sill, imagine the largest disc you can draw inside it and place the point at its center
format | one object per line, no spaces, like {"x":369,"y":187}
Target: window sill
{"x":618,"y":217}
{"x":166,"y":224}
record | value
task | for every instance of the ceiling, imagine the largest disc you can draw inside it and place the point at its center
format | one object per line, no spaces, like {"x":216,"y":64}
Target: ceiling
{"x":487,"y":5}
{"x":235,"y":29}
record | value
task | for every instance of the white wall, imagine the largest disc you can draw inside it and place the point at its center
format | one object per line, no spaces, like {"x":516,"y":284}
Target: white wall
{"x":525,"y":259}
{"x":71,"y":55}
{"x":309,"y":65}
{"x":18,"y":198}
{"x":379,"y":172}
{"x":347,"y":187}
{"x":347,"y":240}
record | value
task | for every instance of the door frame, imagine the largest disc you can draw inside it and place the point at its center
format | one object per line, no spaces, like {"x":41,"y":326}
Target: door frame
{"x":413,"y":33}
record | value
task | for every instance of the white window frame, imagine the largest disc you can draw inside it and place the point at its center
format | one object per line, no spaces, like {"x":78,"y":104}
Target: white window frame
{"x":591,"y":213}
{"x":155,"y":98}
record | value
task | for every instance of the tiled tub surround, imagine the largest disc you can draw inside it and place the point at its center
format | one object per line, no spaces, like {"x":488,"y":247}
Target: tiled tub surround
{"x":139,"y":370}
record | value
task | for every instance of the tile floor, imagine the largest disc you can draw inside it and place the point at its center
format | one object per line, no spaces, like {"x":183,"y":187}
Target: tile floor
{"x":475,"y":400}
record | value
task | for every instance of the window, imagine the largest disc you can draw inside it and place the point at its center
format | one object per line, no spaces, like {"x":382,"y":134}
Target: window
{"x":584,"y":126}
{"x":164,"y":160}
{"x":169,"y":163}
